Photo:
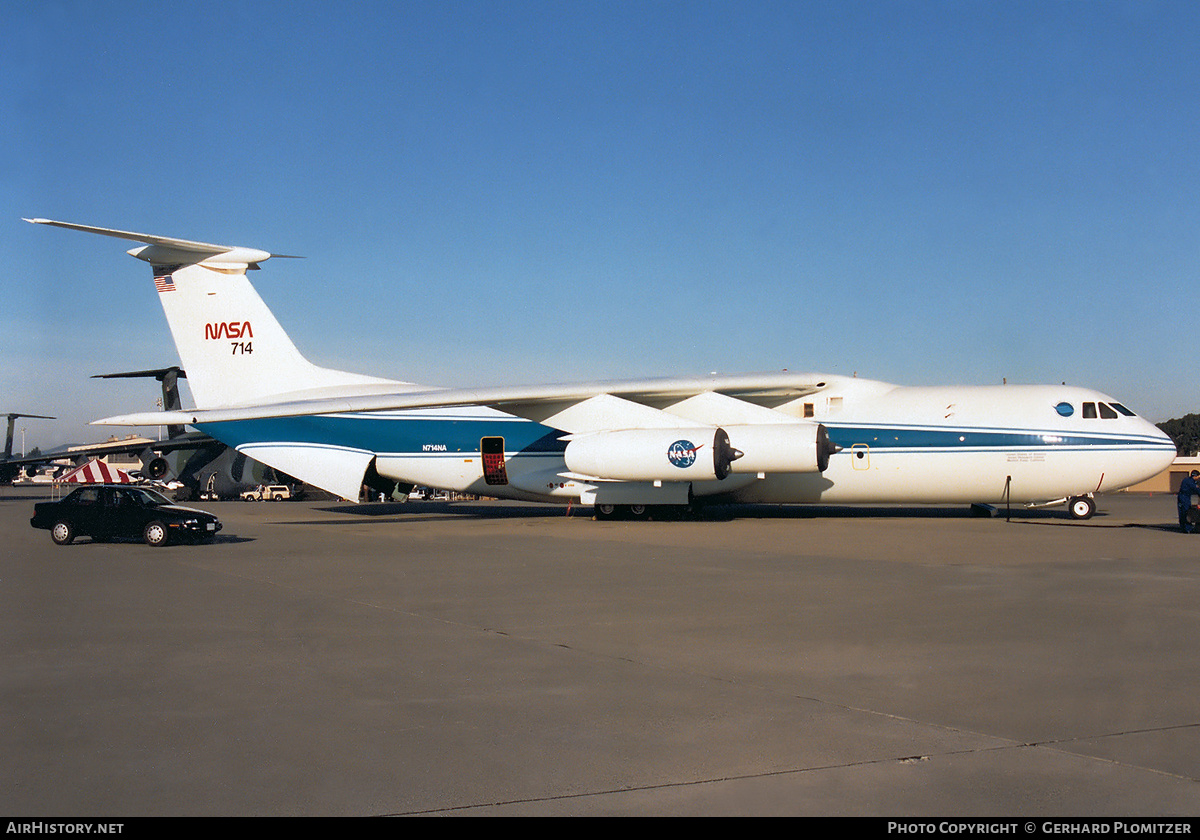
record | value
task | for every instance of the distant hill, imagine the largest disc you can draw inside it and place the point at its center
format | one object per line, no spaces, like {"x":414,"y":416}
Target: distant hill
{"x":1185,"y":432}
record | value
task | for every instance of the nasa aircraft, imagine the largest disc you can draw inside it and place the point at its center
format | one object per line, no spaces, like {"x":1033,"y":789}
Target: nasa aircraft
{"x":633,"y":447}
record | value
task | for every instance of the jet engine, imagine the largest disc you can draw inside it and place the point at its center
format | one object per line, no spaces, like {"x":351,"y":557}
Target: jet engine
{"x":157,"y":467}
{"x":781,"y":448}
{"x":701,"y":454}
{"x":697,"y":454}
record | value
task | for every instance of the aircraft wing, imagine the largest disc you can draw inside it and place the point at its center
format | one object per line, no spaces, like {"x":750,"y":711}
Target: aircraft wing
{"x":574,"y":408}
{"x":189,"y":440}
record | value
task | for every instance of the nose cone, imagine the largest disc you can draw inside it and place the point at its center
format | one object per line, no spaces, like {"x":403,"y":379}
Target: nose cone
{"x":1154,"y":455}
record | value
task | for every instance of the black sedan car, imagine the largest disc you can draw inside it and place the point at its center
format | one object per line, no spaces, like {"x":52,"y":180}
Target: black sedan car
{"x":105,"y":512}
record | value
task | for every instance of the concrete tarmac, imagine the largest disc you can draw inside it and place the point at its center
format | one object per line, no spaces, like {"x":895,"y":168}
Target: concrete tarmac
{"x":484,"y":658}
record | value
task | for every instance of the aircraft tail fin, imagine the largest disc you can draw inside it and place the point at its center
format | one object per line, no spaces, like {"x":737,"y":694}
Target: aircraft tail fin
{"x":169,"y":378}
{"x":230,"y":343}
{"x":12,"y":425}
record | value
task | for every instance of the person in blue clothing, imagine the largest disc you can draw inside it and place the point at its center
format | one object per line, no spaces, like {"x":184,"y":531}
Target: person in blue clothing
{"x":1187,"y":488}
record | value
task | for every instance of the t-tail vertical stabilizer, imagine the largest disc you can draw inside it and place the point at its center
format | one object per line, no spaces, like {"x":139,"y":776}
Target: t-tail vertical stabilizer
{"x":232,"y":346}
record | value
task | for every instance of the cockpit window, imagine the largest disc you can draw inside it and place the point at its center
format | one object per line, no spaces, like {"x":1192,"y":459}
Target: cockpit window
{"x":1105,"y":411}
{"x":1065,"y":409}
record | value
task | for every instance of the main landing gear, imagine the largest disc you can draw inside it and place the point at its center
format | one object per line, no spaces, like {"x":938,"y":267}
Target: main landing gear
{"x":605,"y":512}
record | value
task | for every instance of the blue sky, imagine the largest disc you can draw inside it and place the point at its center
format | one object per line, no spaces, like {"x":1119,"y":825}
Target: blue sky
{"x":504,"y":192}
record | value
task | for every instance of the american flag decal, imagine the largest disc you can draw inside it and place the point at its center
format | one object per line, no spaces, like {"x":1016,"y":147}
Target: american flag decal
{"x":164,"y":283}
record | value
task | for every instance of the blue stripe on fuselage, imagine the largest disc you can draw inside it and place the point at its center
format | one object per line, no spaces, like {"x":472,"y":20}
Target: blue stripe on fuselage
{"x":384,"y":434}
{"x":406,"y":434}
{"x":929,"y":438}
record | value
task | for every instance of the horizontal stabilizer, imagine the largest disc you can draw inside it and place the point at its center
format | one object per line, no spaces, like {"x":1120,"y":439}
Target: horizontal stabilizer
{"x":166,"y":249}
{"x":155,"y":373}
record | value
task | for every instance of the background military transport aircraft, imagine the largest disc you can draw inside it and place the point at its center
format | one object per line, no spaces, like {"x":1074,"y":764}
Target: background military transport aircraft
{"x":206,"y":468}
{"x":625,"y":447}
{"x":11,"y":467}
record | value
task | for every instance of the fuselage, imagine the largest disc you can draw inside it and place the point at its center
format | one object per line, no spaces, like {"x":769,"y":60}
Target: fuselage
{"x":897,"y":444}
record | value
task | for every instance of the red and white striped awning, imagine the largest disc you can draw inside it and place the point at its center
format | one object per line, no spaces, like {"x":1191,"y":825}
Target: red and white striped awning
{"x":95,"y":472}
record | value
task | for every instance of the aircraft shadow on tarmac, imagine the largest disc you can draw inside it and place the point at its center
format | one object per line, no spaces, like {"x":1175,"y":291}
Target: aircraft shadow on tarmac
{"x":428,"y":510}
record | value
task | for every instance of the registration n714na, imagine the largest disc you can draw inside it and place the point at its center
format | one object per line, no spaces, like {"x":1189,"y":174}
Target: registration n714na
{"x":629,"y":448}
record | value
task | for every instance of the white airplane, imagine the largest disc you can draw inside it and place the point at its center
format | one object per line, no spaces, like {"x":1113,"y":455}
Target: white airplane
{"x":629,"y":448}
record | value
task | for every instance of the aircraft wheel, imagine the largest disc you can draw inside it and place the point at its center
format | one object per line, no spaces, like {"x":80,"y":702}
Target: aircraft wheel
{"x":1082,"y":507}
{"x":62,"y":532}
{"x":156,"y":534}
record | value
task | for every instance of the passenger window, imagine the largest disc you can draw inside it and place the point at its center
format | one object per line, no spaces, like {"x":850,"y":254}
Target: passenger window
{"x":808,"y":409}
{"x":1107,"y":413}
{"x":1089,"y":411}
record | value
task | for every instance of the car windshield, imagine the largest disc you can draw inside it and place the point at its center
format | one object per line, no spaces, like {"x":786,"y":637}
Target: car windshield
{"x":149,"y":498}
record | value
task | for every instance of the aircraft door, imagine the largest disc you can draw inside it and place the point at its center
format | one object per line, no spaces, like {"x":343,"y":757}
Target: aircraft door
{"x":492,"y":450}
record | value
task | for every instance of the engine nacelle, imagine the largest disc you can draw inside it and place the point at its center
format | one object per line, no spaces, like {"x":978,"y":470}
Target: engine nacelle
{"x":782,"y":448}
{"x":157,"y":467}
{"x":701,"y":454}
{"x":698,"y":454}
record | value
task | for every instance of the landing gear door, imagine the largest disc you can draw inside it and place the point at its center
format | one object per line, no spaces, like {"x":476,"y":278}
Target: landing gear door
{"x":492,"y":450}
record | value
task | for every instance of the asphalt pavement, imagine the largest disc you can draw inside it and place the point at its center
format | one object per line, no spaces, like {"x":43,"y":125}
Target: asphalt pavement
{"x":487,"y":658}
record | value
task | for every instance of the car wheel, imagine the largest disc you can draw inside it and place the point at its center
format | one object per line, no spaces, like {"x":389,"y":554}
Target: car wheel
{"x":62,"y":532}
{"x":605,"y":511}
{"x":1082,"y":507}
{"x":155,"y":534}
{"x":639,"y":511}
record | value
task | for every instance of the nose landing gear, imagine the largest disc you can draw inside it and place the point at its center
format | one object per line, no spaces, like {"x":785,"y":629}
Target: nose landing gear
{"x":1081,"y":507}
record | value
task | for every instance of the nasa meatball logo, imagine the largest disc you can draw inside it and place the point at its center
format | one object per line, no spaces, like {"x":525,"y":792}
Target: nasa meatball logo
{"x":682,"y":453}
